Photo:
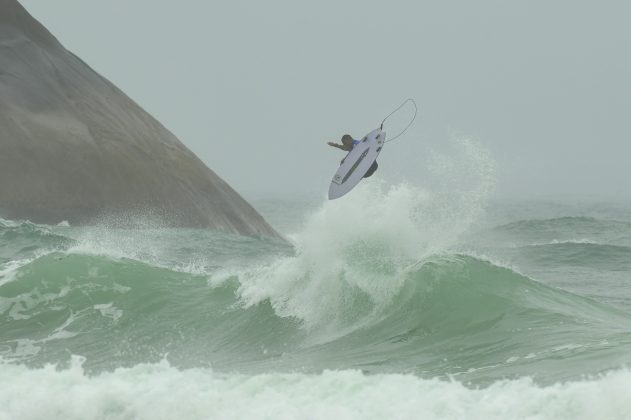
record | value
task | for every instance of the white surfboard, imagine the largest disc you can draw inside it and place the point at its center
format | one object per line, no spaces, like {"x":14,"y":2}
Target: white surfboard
{"x":356,"y":163}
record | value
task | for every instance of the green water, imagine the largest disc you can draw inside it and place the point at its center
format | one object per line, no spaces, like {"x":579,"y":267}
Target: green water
{"x":397,"y":293}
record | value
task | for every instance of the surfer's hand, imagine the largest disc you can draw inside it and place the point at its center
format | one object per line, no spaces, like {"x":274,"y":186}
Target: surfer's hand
{"x":333,"y":144}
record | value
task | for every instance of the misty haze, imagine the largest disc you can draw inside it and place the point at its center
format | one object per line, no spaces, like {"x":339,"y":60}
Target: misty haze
{"x":204,"y":214}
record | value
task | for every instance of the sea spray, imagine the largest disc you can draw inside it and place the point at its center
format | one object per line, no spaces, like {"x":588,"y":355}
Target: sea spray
{"x":355,"y":249}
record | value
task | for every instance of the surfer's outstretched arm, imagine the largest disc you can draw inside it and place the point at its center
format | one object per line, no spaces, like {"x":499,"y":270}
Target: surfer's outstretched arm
{"x":339,"y":146}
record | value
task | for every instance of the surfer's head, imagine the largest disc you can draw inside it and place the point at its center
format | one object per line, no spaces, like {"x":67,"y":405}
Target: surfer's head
{"x":347,"y":140}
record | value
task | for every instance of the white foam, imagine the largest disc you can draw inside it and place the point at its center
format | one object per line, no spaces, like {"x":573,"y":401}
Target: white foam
{"x":26,"y":348}
{"x":9,"y":270}
{"x":159,"y":391}
{"x":108,"y":310}
{"x":362,"y":243}
{"x":580,"y":241}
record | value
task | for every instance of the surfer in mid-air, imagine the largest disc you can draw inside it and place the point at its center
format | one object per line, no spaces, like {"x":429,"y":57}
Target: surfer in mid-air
{"x":347,"y":145}
{"x":361,"y":159}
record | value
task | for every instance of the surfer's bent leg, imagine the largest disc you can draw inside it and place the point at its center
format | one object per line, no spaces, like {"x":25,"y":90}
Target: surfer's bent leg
{"x":372,"y":169}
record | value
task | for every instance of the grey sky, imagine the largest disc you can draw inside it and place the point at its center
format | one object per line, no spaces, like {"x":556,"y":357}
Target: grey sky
{"x":257,"y":88}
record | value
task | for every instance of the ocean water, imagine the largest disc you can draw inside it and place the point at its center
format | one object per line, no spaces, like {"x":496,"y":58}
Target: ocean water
{"x":398,"y":301}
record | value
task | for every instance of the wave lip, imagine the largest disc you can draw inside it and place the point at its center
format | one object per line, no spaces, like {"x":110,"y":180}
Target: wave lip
{"x":21,"y":239}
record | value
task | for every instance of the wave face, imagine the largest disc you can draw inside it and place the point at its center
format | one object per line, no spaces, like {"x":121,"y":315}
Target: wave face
{"x":450,"y":315}
{"x":397,"y":298}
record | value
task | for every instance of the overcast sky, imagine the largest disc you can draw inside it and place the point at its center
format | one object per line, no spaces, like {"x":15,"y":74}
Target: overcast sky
{"x":256,"y":88}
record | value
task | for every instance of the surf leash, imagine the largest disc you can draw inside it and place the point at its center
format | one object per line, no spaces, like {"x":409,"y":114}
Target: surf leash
{"x":409,"y":124}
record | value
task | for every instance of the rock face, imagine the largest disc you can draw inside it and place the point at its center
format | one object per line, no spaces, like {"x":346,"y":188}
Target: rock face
{"x":74,"y":147}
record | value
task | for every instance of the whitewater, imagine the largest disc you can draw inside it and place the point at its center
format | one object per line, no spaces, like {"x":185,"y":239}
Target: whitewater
{"x":409,"y":300}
